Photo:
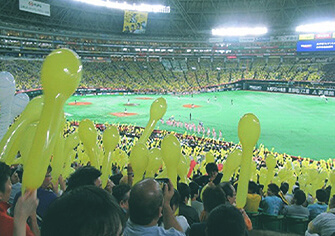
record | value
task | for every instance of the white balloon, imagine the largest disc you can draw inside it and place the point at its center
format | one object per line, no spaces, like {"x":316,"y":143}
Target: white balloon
{"x":20,"y":102}
{"x":7,"y":91}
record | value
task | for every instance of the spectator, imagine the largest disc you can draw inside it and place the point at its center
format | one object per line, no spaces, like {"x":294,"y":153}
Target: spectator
{"x":45,"y":197}
{"x":319,"y":207}
{"x":272,"y":204}
{"x":253,"y":199}
{"x":84,"y":211}
{"x":225,"y":220}
{"x":7,"y":222}
{"x":16,"y":184}
{"x":190,"y":213}
{"x":174,"y":203}
{"x":284,"y":187}
{"x":212,"y":197}
{"x":121,"y":193}
{"x":324,"y":224}
{"x":230,"y":192}
{"x":212,"y":171}
{"x":198,"y":206}
{"x":87,"y":175}
{"x":296,"y":209}
{"x":146,"y":204}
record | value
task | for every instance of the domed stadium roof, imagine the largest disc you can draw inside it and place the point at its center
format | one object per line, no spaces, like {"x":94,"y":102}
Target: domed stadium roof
{"x":188,"y":18}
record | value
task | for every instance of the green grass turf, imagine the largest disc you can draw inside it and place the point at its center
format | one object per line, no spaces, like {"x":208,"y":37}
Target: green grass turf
{"x":293,"y":124}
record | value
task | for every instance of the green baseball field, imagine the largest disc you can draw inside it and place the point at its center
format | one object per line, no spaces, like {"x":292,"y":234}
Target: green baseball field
{"x":294,"y":124}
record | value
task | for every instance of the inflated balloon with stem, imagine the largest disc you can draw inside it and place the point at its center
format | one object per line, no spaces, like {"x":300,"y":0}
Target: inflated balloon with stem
{"x":110,"y":139}
{"x":155,"y":162}
{"x":248,"y":133}
{"x":60,"y":76}
{"x":9,"y":145}
{"x":20,"y":101}
{"x":209,"y":157}
{"x":139,"y":161}
{"x":171,"y":151}
{"x":89,"y":135}
{"x":271,"y":163}
{"x":232,"y":163}
{"x":157,"y":111}
{"x":183,"y":167}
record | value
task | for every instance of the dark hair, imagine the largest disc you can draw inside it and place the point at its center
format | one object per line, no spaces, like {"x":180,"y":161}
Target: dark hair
{"x":120,"y":192}
{"x":227,"y":188}
{"x":4,"y":176}
{"x":321,"y":195}
{"x":274,"y":189}
{"x":284,"y":187}
{"x":175,"y":199}
{"x":211,"y":167}
{"x":225,"y":220}
{"x":194,"y":188}
{"x":83,"y":176}
{"x":300,"y":197}
{"x":86,"y":210}
{"x":253,"y":188}
{"x":213,"y":197}
{"x":146,"y":197}
{"x":184,"y":191}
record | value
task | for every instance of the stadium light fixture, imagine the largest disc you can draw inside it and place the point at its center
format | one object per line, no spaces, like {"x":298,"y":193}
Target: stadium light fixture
{"x":325,"y":26}
{"x":239,"y":31}
{"x":127,"y":6}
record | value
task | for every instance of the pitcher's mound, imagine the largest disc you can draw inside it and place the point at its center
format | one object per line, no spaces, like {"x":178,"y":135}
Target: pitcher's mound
{"x":190,"y":106}
{"x":144,"y":98}
{"x":123,"y":114}
{"x":79,"y":103}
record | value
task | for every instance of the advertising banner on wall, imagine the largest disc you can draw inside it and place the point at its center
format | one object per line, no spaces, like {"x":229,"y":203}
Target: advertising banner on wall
{"x":35,"y":7}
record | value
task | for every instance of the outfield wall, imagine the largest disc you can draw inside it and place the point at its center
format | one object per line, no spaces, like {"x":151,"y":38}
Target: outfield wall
{"x":326,"y":89}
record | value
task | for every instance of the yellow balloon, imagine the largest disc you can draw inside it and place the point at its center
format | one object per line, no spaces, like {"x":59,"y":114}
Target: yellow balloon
{"x":232,"y":163}
{"x":60,"y":76}
{"x":110,"y":139}
{"x":155,"y":162}
{"x":88,"y":135}
{"x":157,"y":111}
{"x":183,"y":167}
{"x":271,"y":163}
{"x":9,"y":143}
{"x":248,"y":133}
{"x":209,"y":157}
{"x":171,"y":156}
{"x":57,"y":162}
{"x":139,"y":161}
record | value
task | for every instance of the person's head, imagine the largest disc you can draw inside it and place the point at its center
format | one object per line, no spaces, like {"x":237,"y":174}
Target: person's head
{"x":284,"y":187}
{"x":213,"y":197}
{"x":121,"y":193}
{"x":145,"y":202}
{"x":14,"y":176}
{"x":84,"y":211}
{"x":184,"y":191}
{"x":47,"y":179}
{"x":230,"y":192}
{"x":299,"y":197}
{"x":212,"y":169}
{"x":174,"y":202}
{"x":86,"y":175}
{"x":225,"y":220}
{"x":194,"y":187}
{"x":5,"y":184}
{"x":252,"y":188}
{"x":273,"y":190}
{"x":332,"y":202}
{"x":321,"y":195}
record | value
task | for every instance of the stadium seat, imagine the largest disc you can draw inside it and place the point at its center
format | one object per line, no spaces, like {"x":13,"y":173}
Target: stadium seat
{"x":297,"y":225}
{"x":271,"y":222}
{"x":254,"y":217}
